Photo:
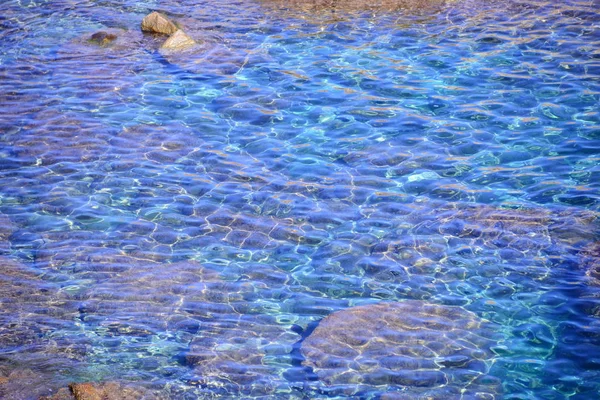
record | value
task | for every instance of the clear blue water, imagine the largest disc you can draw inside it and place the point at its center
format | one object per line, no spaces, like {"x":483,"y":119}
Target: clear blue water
{"x":183,"y":222}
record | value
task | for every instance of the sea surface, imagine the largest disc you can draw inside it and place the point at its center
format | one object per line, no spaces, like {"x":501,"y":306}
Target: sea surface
{"x":321,"y":200}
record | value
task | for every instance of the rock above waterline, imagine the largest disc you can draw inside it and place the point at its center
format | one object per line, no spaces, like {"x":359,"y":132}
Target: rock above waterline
{"x":158,"y":23}
{"x":178,"y":40}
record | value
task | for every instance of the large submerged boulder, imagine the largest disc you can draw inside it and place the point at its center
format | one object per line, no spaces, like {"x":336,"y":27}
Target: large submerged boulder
{"x":412,"y":348}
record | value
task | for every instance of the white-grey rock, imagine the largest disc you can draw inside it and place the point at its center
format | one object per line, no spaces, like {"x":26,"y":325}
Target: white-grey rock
{"x":158,"y":23}
{"x":178,"y":40}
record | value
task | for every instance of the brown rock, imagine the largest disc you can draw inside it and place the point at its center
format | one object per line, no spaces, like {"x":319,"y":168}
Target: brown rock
{"x":158,"y":23}
{"x":90,"y":44}
{"x":343,"y":9}
{"x":108,"y":391}
{"x":102,"y":38}
{"x":62,"y":394}
{"x":86,"y":391}
{"x":3,"y":380}
{"x":419,"y":347}
{"x":178,"y":40}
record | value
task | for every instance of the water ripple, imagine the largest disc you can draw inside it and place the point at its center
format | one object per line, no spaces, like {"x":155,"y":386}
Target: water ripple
{"x":189,"y":222}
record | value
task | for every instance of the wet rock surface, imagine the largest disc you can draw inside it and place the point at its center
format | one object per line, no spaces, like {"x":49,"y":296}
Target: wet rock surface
{"x":178,"y":40}
{"x":102,"y":38}
{"x":102,"y":391}
{"x":420,"y":348}
{"x":158,"y":23}
{"x":25,"y":384}
{"x":109,"y":391}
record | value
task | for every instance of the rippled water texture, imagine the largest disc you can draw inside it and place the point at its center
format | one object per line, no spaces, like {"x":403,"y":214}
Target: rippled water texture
{"x":322,"y":199}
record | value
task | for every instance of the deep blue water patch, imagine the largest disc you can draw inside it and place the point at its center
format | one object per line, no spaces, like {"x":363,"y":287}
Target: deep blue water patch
{"x":185,"y":221}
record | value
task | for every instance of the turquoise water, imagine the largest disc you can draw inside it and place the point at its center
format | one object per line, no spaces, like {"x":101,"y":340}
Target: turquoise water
{"x":184,"y":222}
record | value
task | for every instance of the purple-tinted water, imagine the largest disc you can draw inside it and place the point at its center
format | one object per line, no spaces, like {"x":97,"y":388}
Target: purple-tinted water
{"x":182,"y":222}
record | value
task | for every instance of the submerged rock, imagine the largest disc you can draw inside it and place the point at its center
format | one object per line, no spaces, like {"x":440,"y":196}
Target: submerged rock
{"x":86,"y":391}
{"x":19,"y":383}
{"x":522,"y":228}
{"x":178,"y":40}
{"x":6,"y":230}
{"x":158,"y":23}
{"x":97,"y":44}
{"x":422,"y":348}
{"x":32,"y":311}
{"x":62,"y":394}
{"x":237,"y":353}
{"x":101,"y":391}
{"x":6,"y":227}
{"x":206,"y":58}
{"x":20,"y":292}
{"x":590,"y":258}
{"x":108,"y":391}
{"x":316,"y":10}
{"x":102,"y":38}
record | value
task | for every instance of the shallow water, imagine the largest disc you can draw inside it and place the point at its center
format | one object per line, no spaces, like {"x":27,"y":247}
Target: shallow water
{"x":184,"y":221}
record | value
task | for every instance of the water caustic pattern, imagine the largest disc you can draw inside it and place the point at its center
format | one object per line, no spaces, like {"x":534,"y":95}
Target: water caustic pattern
{"x":321,"y":199}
